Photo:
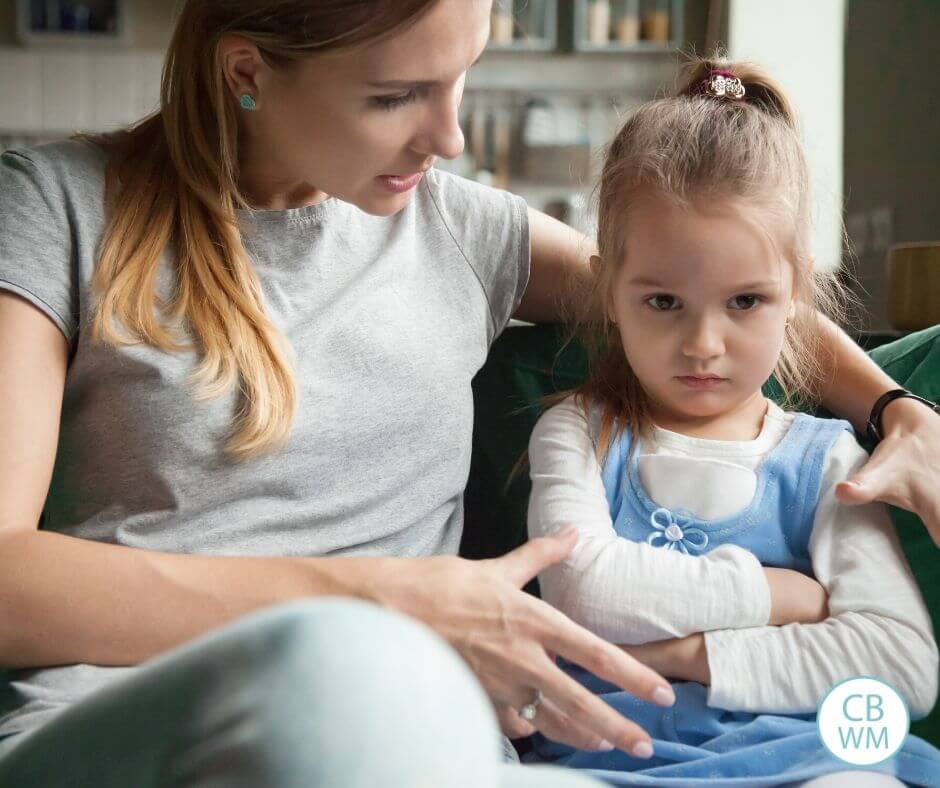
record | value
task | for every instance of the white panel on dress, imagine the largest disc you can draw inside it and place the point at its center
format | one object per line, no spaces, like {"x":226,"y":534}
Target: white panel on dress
{"x":717,"y":488}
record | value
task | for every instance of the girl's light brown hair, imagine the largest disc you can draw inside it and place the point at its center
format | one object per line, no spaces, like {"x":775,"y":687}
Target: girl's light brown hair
{"x":172,"y":183}
{"x":689,"y":148}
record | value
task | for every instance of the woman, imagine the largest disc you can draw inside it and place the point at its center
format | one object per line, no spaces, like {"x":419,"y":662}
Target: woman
{"x":292,"y":420}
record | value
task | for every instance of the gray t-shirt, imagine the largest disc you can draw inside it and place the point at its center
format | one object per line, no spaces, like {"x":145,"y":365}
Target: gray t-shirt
{"x":389,"y":317}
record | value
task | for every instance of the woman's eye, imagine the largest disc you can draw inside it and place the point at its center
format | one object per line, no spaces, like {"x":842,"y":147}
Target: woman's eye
{"x":393,"y":102}
{"x":663,"y":303}
{"x":744,"y":303}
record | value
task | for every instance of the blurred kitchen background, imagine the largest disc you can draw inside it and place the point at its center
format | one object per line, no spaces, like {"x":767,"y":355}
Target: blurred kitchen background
{"x":555,"y":83}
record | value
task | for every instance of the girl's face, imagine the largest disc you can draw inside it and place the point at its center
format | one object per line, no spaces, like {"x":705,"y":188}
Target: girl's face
{"x":334,"y":125}
{"x":701,"y":301}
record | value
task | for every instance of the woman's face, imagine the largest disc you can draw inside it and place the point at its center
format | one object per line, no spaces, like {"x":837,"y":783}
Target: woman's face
{"x":338,"y":125}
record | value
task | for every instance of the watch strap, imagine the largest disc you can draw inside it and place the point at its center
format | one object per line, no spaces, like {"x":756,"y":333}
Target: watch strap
{"x":874,"y":428}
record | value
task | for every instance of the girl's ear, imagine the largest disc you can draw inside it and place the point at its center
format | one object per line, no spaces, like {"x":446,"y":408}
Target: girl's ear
{"x":595,"y":264}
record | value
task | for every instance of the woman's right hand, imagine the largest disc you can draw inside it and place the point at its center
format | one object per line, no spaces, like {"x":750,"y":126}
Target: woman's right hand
{"x":795,"y":598}
{"x":510,"y":638}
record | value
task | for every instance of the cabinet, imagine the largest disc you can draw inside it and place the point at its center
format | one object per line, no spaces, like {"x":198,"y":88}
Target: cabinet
{"x":627,"y":25}
{"x":524,"y":25}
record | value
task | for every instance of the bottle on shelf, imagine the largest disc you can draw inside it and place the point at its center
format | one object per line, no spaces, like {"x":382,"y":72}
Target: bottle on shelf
{"x":598,"y":22}
{"x":502,"y":23}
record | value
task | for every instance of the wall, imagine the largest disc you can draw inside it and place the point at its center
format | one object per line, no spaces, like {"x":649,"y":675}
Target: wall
{"x":892,"y":134}
{"x":801,"y":43}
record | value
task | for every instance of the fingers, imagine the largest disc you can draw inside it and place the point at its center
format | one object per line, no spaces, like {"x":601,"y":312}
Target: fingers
{"x":574,"y":711}
{"x":576,"y":644}
{"x":511,"y":724}
{"x":931,"y":518}
{"x":870,"y":481}
{"x":854,"y":492}
{"x":525,"y":562}
{"x":556,"y":725}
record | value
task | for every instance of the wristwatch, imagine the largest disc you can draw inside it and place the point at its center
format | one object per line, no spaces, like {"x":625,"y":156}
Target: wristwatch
{"x":873,"y":428}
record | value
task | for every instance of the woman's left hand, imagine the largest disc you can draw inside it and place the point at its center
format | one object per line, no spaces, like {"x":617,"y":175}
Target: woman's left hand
{"x":685,"y":658}
{"x":904,"y":469}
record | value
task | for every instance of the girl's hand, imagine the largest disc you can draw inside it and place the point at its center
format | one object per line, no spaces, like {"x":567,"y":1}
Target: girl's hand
{"x":903,"y":469}
{"x":795,"y":598}
{"x":509,"y":639}
{"x":683,"y":659}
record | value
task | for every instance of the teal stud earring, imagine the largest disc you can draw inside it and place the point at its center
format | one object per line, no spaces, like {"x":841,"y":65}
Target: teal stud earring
{"x":247,"y":101}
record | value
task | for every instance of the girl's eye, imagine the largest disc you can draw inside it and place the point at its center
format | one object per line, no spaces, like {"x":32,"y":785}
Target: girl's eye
{"x":393,"y":102}
{"x":663,"y":303}
{"x":745,"y":302}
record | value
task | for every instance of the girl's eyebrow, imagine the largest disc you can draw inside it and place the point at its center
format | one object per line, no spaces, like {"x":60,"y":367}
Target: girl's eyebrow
{"x":642,"y":281}
{"x":406,"y":83}
{"x":769,"y":284}
{"x":765,"y":284}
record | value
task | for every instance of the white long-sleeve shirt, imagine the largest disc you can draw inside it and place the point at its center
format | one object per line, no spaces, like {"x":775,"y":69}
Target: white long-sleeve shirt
{"x":631,"y":592}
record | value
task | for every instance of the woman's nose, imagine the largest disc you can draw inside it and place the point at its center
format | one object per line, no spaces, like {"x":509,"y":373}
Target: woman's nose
{"x":442,"y":134}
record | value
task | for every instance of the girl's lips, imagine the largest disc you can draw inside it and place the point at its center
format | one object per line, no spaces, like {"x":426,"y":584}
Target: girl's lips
{"x":400,"y":183}
{"x":694,"y":382}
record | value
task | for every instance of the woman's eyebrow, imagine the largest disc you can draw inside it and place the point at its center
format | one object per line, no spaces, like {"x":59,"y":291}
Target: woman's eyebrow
{"x":408,"y":83}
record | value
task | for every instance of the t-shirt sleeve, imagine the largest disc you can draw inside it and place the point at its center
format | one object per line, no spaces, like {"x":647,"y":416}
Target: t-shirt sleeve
{"x":491,"y":229}
{"x":37,"y":256}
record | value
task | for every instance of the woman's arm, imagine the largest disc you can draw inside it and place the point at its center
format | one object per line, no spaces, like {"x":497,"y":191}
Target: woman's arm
{"x":878,"y":625}
{"x":898,"y":470}
{"x":631,"y":592}
{"x":66,"y":600}
{"x":559,"y":273}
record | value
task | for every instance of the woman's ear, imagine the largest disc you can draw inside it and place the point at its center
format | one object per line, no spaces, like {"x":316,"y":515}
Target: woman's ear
{"x":242,"y":66}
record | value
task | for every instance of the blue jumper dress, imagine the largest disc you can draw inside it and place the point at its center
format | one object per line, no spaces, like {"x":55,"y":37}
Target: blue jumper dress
{"x":696,"y":744}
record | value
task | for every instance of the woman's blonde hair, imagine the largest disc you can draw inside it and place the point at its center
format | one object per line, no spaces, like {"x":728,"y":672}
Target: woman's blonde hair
{"x":689,"y":148}
{"x":172,"y":181}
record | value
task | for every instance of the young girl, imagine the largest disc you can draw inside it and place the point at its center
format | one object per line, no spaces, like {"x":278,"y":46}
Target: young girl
{"x":683,"y":479}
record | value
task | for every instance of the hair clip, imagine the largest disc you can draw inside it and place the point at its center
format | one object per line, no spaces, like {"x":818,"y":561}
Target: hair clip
{"x":723,"y":84}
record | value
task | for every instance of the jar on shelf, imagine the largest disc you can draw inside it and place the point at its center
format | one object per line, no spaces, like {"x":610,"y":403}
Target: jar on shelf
{"x":656,"y":22}
{"x":626,"y":14}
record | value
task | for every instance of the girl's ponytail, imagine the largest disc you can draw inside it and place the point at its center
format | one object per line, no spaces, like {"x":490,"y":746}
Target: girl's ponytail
{"x":760,"y":90}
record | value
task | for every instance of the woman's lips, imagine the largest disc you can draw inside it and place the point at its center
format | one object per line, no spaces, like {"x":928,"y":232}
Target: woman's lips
{"x":704,"y":382}
{"x":400,"y":183}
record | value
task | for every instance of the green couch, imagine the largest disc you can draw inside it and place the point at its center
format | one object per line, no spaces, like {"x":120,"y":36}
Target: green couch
{"x":527,"y":362}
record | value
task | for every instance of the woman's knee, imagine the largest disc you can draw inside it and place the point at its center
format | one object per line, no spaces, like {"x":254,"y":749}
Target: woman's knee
{"x":355,"y":683}
{"x":360,"y":656}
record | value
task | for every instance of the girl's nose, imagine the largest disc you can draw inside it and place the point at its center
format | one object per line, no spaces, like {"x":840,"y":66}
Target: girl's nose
{"x":703,"y":340}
